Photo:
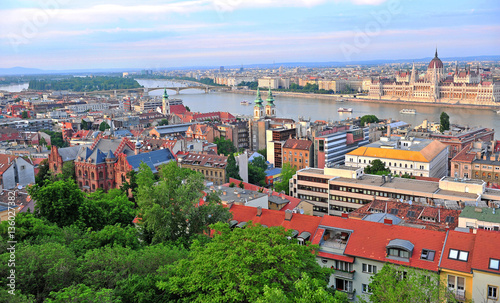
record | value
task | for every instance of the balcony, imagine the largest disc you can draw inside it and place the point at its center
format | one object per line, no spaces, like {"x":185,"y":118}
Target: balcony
{"x":350,"y":293}
{"x":344,"y":274}
{"x":459,"y":294}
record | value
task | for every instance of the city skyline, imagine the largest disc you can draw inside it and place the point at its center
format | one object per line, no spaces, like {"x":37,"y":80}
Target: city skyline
{"x":63,"y":34}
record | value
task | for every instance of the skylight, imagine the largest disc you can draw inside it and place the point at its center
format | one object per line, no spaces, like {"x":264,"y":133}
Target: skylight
{"x":494,"y":264}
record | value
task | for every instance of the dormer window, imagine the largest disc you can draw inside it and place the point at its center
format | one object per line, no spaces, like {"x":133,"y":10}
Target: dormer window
{"x":398,"y":248}
{"x":460,"y":255}
{"x":494,"y":264}
{"x":427,"y":254}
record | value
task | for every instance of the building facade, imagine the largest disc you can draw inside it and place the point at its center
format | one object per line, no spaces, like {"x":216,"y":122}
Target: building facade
{"x":298,"y":153}
{"x":212,"y":166}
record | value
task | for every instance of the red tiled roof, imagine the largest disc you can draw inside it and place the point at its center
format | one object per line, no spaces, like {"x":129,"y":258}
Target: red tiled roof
{"x":459,"y":241}
{"x":336,"y":257}
{"x":486,"y":247}
{"x":369,"y":240}
{"x":5,"y":162}
{"x":270,"y":218}
{"x":178,"y":109}
{"x":298,"y":144}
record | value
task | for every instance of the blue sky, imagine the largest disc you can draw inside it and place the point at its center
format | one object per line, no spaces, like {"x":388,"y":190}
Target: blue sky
{"x":67,"y":34}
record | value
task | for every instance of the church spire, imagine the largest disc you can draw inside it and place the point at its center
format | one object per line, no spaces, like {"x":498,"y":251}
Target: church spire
{"x":165,"y":95}
{"x":270,"y":99}
{"x":436,"y":55}
{"x":258,"y":99}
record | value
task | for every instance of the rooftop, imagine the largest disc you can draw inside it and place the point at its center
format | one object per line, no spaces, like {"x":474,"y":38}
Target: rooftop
{"x":481,"y":214}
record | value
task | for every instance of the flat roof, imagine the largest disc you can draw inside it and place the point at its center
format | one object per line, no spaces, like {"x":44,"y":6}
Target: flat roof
{"x":482,"y":214}
{"x":468,"y":181}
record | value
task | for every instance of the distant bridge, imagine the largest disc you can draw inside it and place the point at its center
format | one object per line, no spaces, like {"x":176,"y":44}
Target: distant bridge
{"x":146,"y":90}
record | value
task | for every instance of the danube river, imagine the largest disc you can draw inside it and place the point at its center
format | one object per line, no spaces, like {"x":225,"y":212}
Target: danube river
{"x":317,"y":109}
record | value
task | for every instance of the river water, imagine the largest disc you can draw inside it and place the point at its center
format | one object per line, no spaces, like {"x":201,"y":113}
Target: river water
{"x":316,"y":109}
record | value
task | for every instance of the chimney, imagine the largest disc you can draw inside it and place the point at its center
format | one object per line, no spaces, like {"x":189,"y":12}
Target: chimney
{"x":345,"y":215}
{"x":230,"y":204}
{"x":484,"y":156}
{"x":389,"y":128}
{"x":239,"y":195}
{"x":288,"y":215}
{"x":387,"y":221}
{"x":283,"y":196}
{"x":224,"y":193}
{"x":259,"y":211}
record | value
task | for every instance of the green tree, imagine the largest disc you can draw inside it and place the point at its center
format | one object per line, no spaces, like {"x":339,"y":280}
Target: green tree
{"x":263,"y":152}
{"x":444,"y":122}
{"x":377,"y":167}
{"x":42,"y":141}
{"x":24,"y":115}
{"x":232,"y":170}
{"x":58,"y":202}
{"x":308,"y":291}
{"x":81,"y":293}
{"x":163,"y":122}
{"x":406,"y":285}
{"x":368,"y":119}
{"x":41,"y":269}
{"x":241,"y":185}
{"x":44,"y":172}
{"x":187,"y":108}
{"x":224,"y":146}
{"x":260,"y":162}
{"x":170,"y":209}
{"x":103,"y":126}
{"x":256,"y":174}
{"x":237,"y":265}
{"x":287,"y":172}
{"x":68,"y":170}
{"x":85,"y":125}
{"x":56,"y":138}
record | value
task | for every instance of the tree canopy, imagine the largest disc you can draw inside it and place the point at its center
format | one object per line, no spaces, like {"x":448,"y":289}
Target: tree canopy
{"x":406,"y":285}
{"x":232,"y":170}
{"x":225,"y":146}
{"x":170,"y":210}
{"x":238,"y":265}
{"x":56,"y":138}
{"x":444,"y":122}
{"x":287,"y":172}
{"x":84,"y":84}
{"x":103,"y":126}
{"x":368,"y":119}
{"x":377,"y":167}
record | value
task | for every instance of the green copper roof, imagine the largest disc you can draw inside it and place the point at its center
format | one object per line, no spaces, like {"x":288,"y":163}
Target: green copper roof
{"x":483,"y":214}
{"x":165,"y":95}
{"x":258,"y":99}
{"x":270,"y":99}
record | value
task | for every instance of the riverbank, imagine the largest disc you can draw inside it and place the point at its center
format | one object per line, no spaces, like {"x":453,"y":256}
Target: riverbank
{"x":338,"y":98}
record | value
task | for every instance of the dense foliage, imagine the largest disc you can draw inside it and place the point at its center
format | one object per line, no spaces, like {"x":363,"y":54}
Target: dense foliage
{"x":377,"y":167}
{"x":287,"y":172}
{"x":238,"y":265}
{"x":406,"y":285}
{"x":256,"y":171}
{"x":224,"y":146}
{"x":84,"y":84}
{"x":232,"y":169}
{"x":56,"y":138}
{"x":249,"y":84}
{"x":444,"y":122}
{"x":368,"y":119}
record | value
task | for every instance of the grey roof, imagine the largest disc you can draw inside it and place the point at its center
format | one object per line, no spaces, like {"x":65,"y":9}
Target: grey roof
{"x":379,"y":217}
{"x":110,"y":155}
{"x":152,"y":159}
{"x":399,"y":243}
{"x":69,"y":153}
{"x":172,"y":129}
{"x":98,"y":154}
{"x":278,"y":200}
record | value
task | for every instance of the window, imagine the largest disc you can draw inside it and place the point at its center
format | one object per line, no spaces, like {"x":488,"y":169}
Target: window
{"x":456,"y":283}
{"x":492,"y":292}
{"x":411,"y":214}
{"x":494,"y":264}
{"x":22,"y":167}
{"x":366,"y":289}
{"x":396,"y":252}
{"x":368,"y":268}
{"x":458,"y":255}
{"x":427,"y":254}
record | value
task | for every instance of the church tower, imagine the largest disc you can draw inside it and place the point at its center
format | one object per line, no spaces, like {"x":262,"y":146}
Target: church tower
{"x":414,"y":75}
{"x":165,"y":103}
{"x":258,"y":109}
{"x":270,"y":106}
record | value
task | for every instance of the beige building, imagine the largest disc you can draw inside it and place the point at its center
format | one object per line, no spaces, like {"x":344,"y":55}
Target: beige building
{"x":212,"y":166}
{"x":274,"y":82}
{"x":344,"y":189}
{"x":480,"y":218}
{"x":334,"y":85}
{"x":415,"y":157}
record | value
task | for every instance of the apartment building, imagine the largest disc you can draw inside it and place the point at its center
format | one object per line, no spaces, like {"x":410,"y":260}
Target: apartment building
{"x":212,"y":166}
{"x":342,"y":189}
{"x":299,"y":153}
{"x":276,"y":139}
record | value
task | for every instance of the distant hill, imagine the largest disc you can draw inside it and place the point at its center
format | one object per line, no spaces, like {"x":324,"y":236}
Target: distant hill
{"x":34,"y":71}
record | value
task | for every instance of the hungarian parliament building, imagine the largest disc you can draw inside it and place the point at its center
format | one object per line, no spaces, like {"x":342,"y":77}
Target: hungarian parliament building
{"x":460,"y":86}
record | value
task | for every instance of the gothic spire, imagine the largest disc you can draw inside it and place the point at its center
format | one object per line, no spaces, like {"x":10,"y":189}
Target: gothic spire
{"x":270,"y":99}
{"x":436,"y":55}
{"x":258,"y":99}
{"x":165,"y":95}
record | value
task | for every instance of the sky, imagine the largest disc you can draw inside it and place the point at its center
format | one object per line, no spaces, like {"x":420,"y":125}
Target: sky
{"x":156,"y":34}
